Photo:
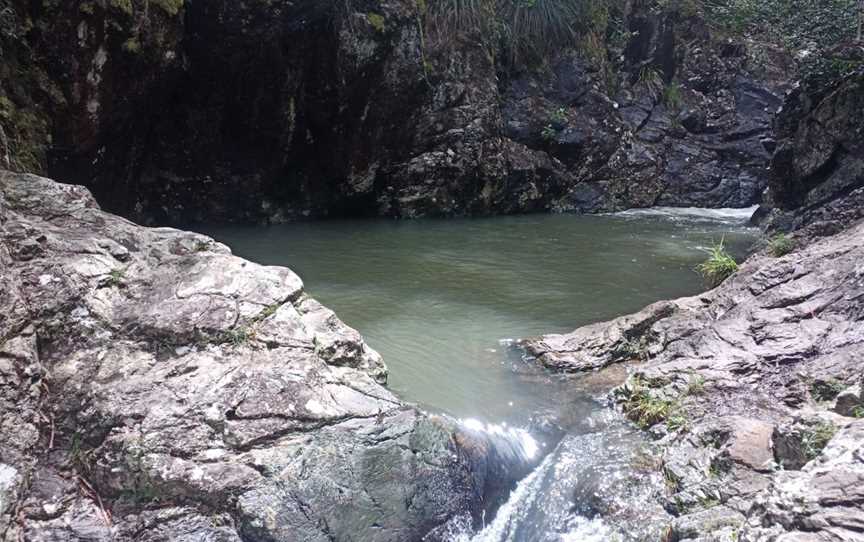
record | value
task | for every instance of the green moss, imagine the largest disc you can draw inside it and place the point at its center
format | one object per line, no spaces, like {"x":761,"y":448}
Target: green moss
{"x":377,"y":22}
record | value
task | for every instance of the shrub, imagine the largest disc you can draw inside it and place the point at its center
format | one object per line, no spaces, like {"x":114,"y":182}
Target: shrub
{"x":719,"y":265}
{"x":781,"y":245}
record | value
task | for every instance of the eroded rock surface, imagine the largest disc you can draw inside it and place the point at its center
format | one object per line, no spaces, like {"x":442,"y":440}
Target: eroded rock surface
{"x":753,"y":389}
{"x":155,"y":387}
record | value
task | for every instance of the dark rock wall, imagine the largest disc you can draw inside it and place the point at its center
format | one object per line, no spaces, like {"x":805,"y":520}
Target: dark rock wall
{"x":819,"y":163}
{"x":280,"y":110}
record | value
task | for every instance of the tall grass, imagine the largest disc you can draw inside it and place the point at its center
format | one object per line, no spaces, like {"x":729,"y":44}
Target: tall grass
{"x":526,"y":30}
{"x":719,"y":265}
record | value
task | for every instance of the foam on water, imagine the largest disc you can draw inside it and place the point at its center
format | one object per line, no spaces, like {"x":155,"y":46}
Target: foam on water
{"x":695,"y":214}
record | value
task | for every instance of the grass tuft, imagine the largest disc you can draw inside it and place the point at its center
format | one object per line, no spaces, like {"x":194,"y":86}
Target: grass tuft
{"x":719,"y":266}
{"x":816,"y":438}
{"x":646,"y":410}
{"x":781,"y":245}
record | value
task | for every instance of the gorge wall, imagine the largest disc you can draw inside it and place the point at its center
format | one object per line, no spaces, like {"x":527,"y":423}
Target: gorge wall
{"x":174,"y":112}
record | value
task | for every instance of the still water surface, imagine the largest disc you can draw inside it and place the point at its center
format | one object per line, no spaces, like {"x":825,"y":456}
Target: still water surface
{"x":441,"y":300}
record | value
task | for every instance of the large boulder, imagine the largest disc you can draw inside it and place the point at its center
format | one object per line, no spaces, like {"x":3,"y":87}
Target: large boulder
{"x":155,"y":387}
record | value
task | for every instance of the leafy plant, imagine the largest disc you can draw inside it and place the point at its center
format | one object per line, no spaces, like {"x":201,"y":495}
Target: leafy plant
{"x":719,"y":266}
{"x":858,"y":412}
{"x":781,"y":245}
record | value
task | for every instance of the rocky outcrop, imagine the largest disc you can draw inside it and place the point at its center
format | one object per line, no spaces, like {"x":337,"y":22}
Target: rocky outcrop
{"x":173,"y":112}
{"x":753,"y":389}
{"x":819,"y":164}
{"x":739,"y":385}
{"x":155,"y":387}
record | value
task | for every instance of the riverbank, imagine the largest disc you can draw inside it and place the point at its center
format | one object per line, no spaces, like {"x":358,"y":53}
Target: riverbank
{"x":753,"y":389}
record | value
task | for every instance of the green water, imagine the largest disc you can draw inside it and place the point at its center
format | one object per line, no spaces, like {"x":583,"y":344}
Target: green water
{"x":440,"y":299}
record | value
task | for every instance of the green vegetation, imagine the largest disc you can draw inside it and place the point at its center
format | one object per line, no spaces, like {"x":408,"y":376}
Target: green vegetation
{"x":377,"y":22}
{"x":696,"y":385}
{"x":132,"y":45}
{"x":826,"y":390}
{"x":814,"y":440}
{"x":651,"y":80}
{"x":268,"y":311}
{"x":781,"y":245}
{"x":549,"y":133}
{"x":719,"y":265}
{"x":115,"y":278}
{"x":559,"y":116}
{"x":237,"y":336}
{"x":123,"y":5}
{"x":672,"y":96}
{"x":858,"y":412}
{"x":171,"y":7}
{"x":799,"y":24}
{"x":526,"y":30}
{"x":647,"y":410}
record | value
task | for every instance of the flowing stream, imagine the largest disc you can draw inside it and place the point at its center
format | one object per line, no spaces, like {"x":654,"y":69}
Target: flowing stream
{"x":443,"y":301}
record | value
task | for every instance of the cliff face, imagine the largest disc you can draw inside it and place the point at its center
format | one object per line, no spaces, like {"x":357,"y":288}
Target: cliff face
{"x":173,"y":112}
{"x":155,"y":387}
{"x":754,"y":389}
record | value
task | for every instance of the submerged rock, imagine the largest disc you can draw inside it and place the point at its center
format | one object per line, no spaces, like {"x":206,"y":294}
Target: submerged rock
{"x":155,"y":387}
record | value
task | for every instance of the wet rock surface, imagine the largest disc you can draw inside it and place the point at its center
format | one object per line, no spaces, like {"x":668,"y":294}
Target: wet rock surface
{"x":155,"y":387}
